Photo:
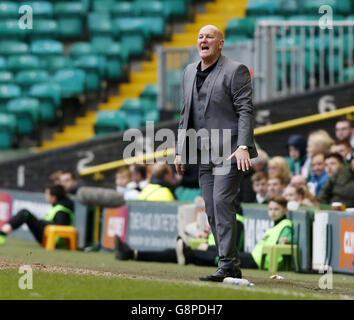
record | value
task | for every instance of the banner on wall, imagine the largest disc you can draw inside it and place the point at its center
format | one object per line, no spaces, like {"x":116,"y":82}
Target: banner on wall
{"x":5,"y":208}
{"x":115,"y":223}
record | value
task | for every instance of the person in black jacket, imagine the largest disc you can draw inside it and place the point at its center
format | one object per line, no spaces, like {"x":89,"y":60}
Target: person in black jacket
{"x":61,"y":213}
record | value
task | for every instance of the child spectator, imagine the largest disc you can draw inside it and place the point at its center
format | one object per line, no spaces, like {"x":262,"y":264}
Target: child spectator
{"x":301,"y":195}
{"x":278,"y":166}
{"x":276,"y":186}
{"x":259,"y":184}
{"x":125,"y":185}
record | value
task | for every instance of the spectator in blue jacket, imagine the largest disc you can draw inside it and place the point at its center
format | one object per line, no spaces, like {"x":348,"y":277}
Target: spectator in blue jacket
{"x":319,"y":176}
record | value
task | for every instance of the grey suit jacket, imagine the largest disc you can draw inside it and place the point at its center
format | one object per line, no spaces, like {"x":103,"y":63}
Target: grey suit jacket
{"x":228,"y":104}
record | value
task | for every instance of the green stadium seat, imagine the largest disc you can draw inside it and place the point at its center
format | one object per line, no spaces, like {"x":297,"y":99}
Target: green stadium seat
{"x":150,"y":93}
{"x":348,"y":74}
{"x":7,"y":92}
{"x":94,"y":67}
{"x":54,"y":63}
{"x":123,"y":9}
{"x":48,"y":95}
{"x":187,"y":194}
{"x":23,"y":62}
{"x":153,"y":8}
{"x":134,"y":113}
{"x":6,"y":77}
{"x":3,"y":63}
{"x":79,"y":49}
{"x":26,"y":78}
{"x":115,"y":57}
{"x":71,"y":82}
{"x":99,"y":25}
{"x":288,"y":7}
{"x":70,"y":16}
{"x":152,"y":115}
{"x":269,"y":17}
{"x":9,"y":29}
{"x":43,"y":29}
{"x":47,"y":47}
{"x":339,"y":7}
{"x":177,"y":8}
{"x":8,"y":127}
{"x":262,"y":7}
{"x":109,"y":122}
{"x":156,"y":25}
{"x":102,"y":5}
{"x":40,"y":9}
{"x":8,"y":10}
{"x":232,"y":40}
{"x":350,"y":17}
{"x":13,"y":47}
{"x":240,"y":27}
{"x":27,"y":112}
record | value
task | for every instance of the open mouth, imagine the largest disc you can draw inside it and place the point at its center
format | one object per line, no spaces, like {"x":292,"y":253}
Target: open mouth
{"x":205,"y":48}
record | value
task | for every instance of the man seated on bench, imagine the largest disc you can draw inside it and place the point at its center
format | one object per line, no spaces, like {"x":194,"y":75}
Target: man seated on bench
{"x":61,"y":213}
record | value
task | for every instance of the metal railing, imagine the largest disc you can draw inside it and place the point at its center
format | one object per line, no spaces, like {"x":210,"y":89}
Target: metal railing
{"x":293,"y":57}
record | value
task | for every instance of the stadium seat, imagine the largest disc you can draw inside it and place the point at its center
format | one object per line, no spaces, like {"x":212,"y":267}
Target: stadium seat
{"x":54,"y":232}
{"x":27,"y":112}
{"x":109,"y":122}
{"x":115,"y":58}
{"x":3,"y":63}
{"x":9,"y":29}
{"x":123,"y":9}
{"x":13,"y":47}
{"x":134,"y":113}
{"x":70,"y":17}
{"x":40,"y":9}
{"x":71,"y":82}
{"x":150,"y":94}
{"x":348,"y":74}
{"x":48,"y":95}
{"x":262,"y":7}
{"x":6,"y":77}
{"x":288,"y":7}
{"x":178,"y":9}
{"x":54,"y":63}
{"x":43,"y":29}
{"x":7,"y":92}
{"x":153,"y":8}
{"x":23,"y":62}
{"x":94,"y":67}
{"x":274,"y":252}
{"x":7,"y":130}
{"x":339,"y":7}
{"x":102,"y":5}
{"x":79,"y":49}
{"x":100,"y":26}
{"x":26,"y":78}
{"x":240,"y":27}
{"x":47,"y":47}
{"x":8,"y":10}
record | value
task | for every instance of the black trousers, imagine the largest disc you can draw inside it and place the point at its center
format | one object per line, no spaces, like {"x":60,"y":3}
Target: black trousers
{"x":35,"y":225}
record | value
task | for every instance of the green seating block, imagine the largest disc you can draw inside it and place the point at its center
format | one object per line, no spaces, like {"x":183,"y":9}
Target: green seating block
{"x":94,"y":67}
{"x":6,"y":77}
{"x":70,"y":27}
{"x":27,"y":112}
{"x":79,"y":49}
{"x":259,"y":7}
{"x":339,"y":7}
{"x":8,"y":126}
{"x":123,"y":9}
{"x":240,"y":26}
{"x":348,"y":74}
{"x":177,"y":9}
{"x":8,"y":10}
{"x":134,"y":113}
{"x":40,"y":9}
{"x":47,"y":47}
{"x":288,"y":7}
{"x":3,"y":63}
{"x":9,"y":29}
{"x":48,"y":95}
{"x":27,"y":78}
{"x":102,"y":5}
{"x":70,"y":9}
{"x":54,"y":63}
{"x":7,"y":92}
{"x":71,"y":82}
{"x":23,"y":62}
{"x":153,"y":8}
{"x":109,"y":122}
{"x":13,"y":47}
{"x":99,"y":24}
{"x":43,"y":29}
{"x":272,"y":253}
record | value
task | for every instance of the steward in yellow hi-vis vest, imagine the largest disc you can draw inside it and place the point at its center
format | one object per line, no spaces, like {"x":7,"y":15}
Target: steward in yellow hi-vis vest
{"x":280,"y":233}
{"x":61,"y":213}
{"x":160,"y":186}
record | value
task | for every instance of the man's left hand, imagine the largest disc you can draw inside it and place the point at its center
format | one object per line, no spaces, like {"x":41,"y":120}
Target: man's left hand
{"x":243,"y":159}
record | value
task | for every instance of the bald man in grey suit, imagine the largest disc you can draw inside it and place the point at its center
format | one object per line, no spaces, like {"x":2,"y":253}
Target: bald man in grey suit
{"x":217,"y":94}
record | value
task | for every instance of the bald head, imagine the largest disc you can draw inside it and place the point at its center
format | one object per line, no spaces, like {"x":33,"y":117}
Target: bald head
{"x":162,"y":171}
{"x":210,"y":43}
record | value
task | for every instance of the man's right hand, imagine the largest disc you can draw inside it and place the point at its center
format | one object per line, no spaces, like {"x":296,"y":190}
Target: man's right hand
{"x":180,"y":167}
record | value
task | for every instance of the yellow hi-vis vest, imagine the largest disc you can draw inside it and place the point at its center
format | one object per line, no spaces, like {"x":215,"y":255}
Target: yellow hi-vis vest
{"x":271,"y":237}
{"x":156,"y":192}
{"x":55,"y":209}
{"x":211,"y":239}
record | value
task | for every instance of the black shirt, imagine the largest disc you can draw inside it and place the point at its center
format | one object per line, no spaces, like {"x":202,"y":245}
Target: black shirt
{"x":202,"y":75}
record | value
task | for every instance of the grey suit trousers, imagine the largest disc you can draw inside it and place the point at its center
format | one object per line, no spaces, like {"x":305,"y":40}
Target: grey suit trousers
{"x":220,"y":196}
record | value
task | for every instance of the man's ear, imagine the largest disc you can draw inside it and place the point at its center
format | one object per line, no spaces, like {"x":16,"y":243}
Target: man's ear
{"x":221,"y":44}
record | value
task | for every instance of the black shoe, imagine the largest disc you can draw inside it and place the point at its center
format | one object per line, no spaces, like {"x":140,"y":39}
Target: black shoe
{"x":221,"y":274}
{"x":121,"y":250}
{"x":182,"y":252}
